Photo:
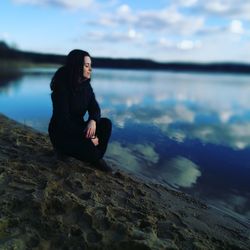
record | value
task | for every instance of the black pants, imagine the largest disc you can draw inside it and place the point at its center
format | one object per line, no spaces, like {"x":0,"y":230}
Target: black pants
{"x":82,"y":148}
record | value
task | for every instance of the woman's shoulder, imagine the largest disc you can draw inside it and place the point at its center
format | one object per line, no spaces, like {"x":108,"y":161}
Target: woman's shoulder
{"x":59,"y":80}
{"x":61,"y":74}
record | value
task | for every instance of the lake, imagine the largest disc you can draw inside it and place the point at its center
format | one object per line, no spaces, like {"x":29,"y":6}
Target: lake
{"x":190,"y":131}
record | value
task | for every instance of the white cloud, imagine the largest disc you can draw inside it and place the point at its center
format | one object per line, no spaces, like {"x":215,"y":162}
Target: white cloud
{"x":28,"y":2}
{"x":104,"y":21}
{"x":180,"y":45}
{"x":185,"y":3}
{"x":224,"y":8}
{"x":163,"y":42}
{"x":168,"y":19}
{"x":158,"y":18}
{"x":217,"y":6}
{"x":164,"y":31}
{"x":175,"y":30}
{"x":220,"y":32}
{"x":124,"y":10}
{"x":188,"y":45}
{"x":130,"y":35}
{"x":68,"y":4}
{"x":123,"y":15}
{"x":236,"y":27}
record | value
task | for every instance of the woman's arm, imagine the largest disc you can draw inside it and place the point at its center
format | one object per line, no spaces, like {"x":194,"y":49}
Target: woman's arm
{"x":61,"y":112}
{"x":94,"y":115}
{"x":94,"y":108}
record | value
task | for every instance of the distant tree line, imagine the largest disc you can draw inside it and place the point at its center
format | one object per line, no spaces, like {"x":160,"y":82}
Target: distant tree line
{"x":14,"y":54}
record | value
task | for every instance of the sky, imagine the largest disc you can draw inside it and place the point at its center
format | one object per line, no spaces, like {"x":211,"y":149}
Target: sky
{"x":163,"y":30}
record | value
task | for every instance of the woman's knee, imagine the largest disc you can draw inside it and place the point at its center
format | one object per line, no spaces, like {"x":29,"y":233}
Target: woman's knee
{"x":90,"y":154}
{"x":106,"y":123}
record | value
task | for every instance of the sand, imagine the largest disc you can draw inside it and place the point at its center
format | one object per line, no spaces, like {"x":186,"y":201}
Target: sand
{"x":47,"y":203}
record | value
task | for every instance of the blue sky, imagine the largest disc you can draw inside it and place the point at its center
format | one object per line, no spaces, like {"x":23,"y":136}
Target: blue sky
{"x":163,"y":30}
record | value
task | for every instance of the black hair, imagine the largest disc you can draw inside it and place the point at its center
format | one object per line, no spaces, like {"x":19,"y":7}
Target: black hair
{"x":72,"y":72}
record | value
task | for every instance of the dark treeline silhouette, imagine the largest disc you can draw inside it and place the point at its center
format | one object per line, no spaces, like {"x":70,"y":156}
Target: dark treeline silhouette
{"x":8,"y":53}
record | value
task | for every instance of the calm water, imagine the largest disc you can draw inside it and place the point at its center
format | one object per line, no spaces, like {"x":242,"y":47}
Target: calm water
{"x":189,"y":131}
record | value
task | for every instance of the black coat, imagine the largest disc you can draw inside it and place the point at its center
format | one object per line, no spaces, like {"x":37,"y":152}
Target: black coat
{"x":69,"y":108}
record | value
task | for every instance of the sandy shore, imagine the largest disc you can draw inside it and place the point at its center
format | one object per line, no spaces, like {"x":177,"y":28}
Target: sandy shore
{"x":46,"y":203}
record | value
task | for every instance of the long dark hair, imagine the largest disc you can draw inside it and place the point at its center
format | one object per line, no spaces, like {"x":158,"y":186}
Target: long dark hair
{"x":72,"y":72}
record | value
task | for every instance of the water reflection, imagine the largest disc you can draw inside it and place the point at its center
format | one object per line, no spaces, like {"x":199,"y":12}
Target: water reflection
{"x":190,"y":131}
{"x":8,"y":80}
{"x":134,"y":157}
{"x":27,"y":100}
{"x":181,"y":172}
{"x":211,"y":113}
{"x":197,"y":127}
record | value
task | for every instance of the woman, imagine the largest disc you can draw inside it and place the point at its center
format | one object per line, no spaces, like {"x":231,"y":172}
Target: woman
{"x":72,"y":96}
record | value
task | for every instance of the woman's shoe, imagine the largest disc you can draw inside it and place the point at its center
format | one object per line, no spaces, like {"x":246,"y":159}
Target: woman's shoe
{"x":103,"y":166}
{"x":61,"y":156}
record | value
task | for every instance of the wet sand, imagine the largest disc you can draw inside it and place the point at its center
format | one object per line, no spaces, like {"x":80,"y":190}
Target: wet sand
{"x":46,"y":203}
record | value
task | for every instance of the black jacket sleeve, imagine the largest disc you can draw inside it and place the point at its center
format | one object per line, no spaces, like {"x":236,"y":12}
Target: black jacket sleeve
{"x":61,"y":112}
{"x":93,"y":107}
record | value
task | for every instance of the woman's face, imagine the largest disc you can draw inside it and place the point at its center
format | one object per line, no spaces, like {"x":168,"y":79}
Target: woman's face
{"x":87,"y":67}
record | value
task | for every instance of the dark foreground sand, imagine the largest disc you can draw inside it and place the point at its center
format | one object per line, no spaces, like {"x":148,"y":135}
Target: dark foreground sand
{"x":46,"y":203}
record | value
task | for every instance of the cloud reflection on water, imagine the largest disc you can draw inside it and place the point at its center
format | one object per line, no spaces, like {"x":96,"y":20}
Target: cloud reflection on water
{"x":201,"y":136}
{"x":180,"y":172}
{"x":212,"y":110}
{"x":134,"y":157}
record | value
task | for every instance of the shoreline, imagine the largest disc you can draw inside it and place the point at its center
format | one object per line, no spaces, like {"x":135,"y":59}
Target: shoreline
{"x":51,"y":204}
{"x":27,"y":57}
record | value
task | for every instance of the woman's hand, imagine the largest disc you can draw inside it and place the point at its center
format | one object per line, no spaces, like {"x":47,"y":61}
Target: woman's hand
{"x":95,"y":141}
{"x":90,"y":129}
